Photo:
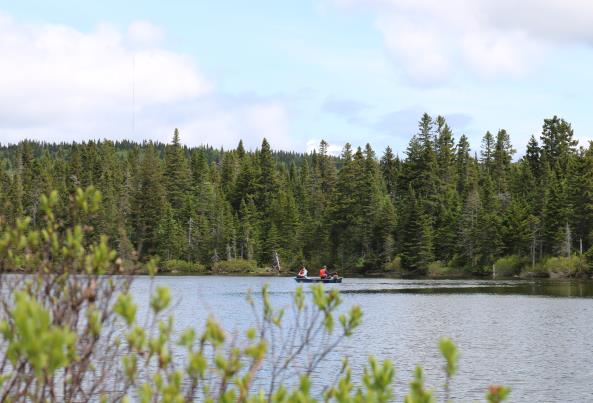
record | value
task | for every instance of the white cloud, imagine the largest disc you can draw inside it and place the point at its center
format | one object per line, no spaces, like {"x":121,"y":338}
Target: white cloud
{"x":422,"y":51}
{"x":551,"y":20}
{"x":226,"y":120}
{"x":430,"y":39}
{"x":61,"y":84}
{"x":143,"y":33}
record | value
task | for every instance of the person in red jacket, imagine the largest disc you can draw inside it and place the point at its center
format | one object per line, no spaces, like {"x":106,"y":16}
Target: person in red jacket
{"x":323,"y":272}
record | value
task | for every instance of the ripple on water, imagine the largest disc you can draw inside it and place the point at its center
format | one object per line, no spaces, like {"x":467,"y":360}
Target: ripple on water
{"x":533,"y":336}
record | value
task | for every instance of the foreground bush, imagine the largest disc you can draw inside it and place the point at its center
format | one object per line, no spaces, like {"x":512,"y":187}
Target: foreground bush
{"x":71,"y":333}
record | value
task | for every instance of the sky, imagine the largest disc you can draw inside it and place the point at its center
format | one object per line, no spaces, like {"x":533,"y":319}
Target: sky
{"x":294,"y":72}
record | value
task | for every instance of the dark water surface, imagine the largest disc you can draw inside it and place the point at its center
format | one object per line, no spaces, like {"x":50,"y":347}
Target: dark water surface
{"x":533,"y":336}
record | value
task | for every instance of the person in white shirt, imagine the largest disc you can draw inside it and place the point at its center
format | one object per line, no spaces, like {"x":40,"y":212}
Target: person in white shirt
{"x":302,"y":273}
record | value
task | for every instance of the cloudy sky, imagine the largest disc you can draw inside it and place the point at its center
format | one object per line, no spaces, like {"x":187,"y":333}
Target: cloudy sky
{"x":295,"y":72}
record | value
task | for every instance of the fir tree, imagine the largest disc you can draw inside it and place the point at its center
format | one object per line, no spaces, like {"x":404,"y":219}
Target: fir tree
{"x":487,"y":152}
{"x":445,"y":150}
{"x":199,"y":168}
{"x":557,"y":143}
{"x":417,"y":246}
{"x":503,"y":155}
{"x":389,"y":169}
{"x":463,"y":163}
{"x":177,"y":175}
{"x":148,"y":203}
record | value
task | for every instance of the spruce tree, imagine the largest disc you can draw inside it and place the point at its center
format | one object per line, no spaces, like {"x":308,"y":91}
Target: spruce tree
{"x":463,"y":163}
{"x":417,"y":246}
{"x":556,"y":215}
{"x":177,"y":176}
{"x":503,"y":156}
{"x":148,"y":203}
{"x":487,"y":152}
{"x":248,"y":229}
{"x":533,"y":157}
{"x":240,"y":150}
{"x":171,"y":235}
{"x":389,"y":170}
{"x":557,"y":143}
{"x":445,"y":150}
{"x":580,"y":196}
{"x":446,"y":226}
{"x":467,"y":246}
{"x":199,"y":168}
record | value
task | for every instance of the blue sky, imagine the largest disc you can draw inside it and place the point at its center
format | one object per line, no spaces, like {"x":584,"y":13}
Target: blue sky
{"x":296,"y":72}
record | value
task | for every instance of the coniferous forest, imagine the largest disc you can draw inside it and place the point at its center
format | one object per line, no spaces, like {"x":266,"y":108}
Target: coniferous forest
{"x":439,"y":206}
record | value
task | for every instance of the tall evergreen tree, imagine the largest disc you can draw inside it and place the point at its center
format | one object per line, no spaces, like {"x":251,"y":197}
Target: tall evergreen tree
{"x":177,"y":175}
{"x":487,"y":152}
{"x":556,"y":215}
{"x":503,"y":156}
{"x":389,"y":169}
{"x":533,"y":157}
{"x":148,"y":203}
{"x":463,"y":165}
{"x":417,"y":246}
{"x":445,"y":150}
{"x":557,"y":143}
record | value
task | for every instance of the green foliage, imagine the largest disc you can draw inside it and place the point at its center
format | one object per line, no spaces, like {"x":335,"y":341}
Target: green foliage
{"x":60,"y":321}
{"x":564,"y":266}
{"x":125,"y":308}
{"x":437,"y":269}
{"x":235,"y":266}
{"x":418,"y":393}
{"x":32,"y":338}
{"x":508,"y":266}
{"x":449,"y":351}
{"x":181,"y":266}
{"x":395,"y":265}
{"x":497,"y":394}
{"x":417,"y":246}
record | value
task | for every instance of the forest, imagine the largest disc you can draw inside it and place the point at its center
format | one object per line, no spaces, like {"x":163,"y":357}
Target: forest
{"x":439,"y":208}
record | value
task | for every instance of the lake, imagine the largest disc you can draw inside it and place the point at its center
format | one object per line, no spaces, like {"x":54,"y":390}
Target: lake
{"x":535,"y":337}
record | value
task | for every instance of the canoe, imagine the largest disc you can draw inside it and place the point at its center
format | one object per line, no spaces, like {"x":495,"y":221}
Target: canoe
{"x":317,"y":280}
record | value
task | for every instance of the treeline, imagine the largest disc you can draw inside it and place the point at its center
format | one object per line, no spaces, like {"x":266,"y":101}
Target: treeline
{"x":441,"y":205}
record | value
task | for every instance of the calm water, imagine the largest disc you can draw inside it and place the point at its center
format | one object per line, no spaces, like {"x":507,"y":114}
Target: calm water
{"x":536,"y":337}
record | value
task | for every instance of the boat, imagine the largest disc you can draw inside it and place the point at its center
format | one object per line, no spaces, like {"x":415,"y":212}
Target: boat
{"x":318,"y":280}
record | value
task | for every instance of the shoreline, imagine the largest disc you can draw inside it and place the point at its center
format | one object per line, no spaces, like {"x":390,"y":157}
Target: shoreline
{"x":265,"y":272}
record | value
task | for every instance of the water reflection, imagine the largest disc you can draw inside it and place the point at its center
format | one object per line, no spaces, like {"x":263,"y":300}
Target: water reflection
{"x":549,"y":288}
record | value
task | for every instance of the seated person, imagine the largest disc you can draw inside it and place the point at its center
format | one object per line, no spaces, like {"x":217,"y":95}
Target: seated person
{"x":323,"y":272}
{"x":302,"y":272}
